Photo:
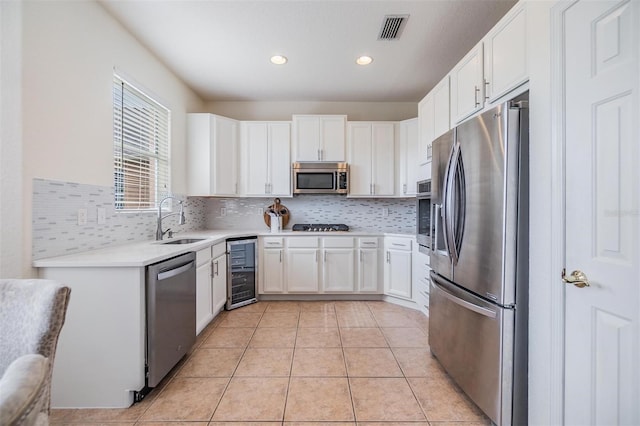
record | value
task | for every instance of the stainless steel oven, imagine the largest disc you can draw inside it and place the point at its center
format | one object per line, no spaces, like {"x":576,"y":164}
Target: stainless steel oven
{"x":424,"y":227}
{"x":316,"y":177}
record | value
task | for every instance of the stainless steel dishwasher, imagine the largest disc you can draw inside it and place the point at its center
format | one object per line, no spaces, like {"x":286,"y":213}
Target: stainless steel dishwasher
{"x":171,"y":314}
{"x":242,"y":271}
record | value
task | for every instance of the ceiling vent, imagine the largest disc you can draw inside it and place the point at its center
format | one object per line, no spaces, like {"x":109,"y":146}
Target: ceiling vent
{"x":392,"y":27}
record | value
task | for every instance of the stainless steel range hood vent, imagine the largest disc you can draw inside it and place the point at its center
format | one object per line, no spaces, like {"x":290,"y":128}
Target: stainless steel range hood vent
{"x":392,"y":27}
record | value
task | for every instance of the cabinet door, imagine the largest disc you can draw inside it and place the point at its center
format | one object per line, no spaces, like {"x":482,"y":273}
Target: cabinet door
{"x":332,"y":137}
{"x":199,"y":156}
{"x":306,"y":138}
{"x":368,"y":271}
{"x":360,"y":153}
{"x":204,"y":307}
{"x":338,"y":270}
{"x":398,"y":273}
{"x":256,"y":154}
{"x":467,"y":86}
{"x":302,"y":270}
{"x":383,"y":158}
{"x":505,"y":56}
{"x":224,"y":163}
{"x":408,"y":161}
{"x":219,"y":283}
{"x":273,"y":271}
{"x":426,"y":128}
{"x":441,"y":111}
{"x":280,"y":159}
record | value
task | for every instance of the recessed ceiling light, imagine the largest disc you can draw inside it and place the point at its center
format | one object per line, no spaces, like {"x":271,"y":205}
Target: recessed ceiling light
{"x":278,"y":59}
{"x":364,"y":60}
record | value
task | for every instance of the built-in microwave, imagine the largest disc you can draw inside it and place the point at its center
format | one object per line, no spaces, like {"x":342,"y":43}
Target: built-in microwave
{"x":316,"y":177}
{"x":424,"y":226}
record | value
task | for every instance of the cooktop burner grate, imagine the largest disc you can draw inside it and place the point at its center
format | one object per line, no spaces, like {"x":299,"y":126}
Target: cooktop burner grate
{"x":320,"y":227}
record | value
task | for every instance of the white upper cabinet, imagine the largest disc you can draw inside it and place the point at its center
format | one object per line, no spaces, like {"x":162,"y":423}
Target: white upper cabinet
{"x":505,"y":54}
{"x":371,"y":158}
{"x":410,"y":157}
{"x":319,"y":137}
{"x":426,"y":129}
{"x":441,"y":106}
{"x":212,"y":155}
{"x":467,"y":85}
{"x":265,"y":158}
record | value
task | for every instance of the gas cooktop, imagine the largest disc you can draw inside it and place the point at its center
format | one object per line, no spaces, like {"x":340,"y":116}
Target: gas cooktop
{"x":320,"y":227}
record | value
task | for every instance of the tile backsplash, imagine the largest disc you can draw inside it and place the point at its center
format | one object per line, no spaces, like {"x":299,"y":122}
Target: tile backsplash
{"x":55,"y":229}
{"x":361,"y":214}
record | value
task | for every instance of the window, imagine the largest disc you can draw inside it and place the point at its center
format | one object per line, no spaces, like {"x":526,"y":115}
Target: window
{"x":140,"y":148}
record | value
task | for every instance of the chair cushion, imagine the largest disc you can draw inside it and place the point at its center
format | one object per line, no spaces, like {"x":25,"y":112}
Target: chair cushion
{"x":21,"y":388}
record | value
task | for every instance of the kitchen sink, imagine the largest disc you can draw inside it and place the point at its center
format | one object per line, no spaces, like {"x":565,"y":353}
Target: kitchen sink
{"x":183,"y":241}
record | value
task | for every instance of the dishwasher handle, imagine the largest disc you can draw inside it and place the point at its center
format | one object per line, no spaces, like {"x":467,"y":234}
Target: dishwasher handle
{"x":174,"y":271}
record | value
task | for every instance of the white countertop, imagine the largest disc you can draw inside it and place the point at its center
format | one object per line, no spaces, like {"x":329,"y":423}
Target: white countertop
{"x":145,"y":253}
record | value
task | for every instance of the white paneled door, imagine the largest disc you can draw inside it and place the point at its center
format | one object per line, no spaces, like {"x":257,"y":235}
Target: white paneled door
{"x":602,"y":163}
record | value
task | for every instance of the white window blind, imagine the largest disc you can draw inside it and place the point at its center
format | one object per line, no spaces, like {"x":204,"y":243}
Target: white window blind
{"x":140,"y":148}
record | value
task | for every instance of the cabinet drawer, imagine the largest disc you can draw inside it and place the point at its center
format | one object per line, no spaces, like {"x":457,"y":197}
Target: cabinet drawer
{"x":303,"y":242}
{"x":338,"y":242}
{"x":272,"y":242}
{"x":218,"y":250}
{"x":399,"y":244}
{"x":203,"y":256}
{"x":368,"y":242}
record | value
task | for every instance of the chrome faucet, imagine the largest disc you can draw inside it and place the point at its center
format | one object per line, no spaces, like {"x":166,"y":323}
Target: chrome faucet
{"x":181,"y":220}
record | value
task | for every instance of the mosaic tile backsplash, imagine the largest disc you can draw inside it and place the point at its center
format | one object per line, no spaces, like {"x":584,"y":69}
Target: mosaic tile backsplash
{"x":361,"y":214}
{"x":56,"y":231}
{"x":55,"y":219}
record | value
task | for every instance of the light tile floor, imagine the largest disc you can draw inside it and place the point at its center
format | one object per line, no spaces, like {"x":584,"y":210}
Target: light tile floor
{"x":302,"y":363}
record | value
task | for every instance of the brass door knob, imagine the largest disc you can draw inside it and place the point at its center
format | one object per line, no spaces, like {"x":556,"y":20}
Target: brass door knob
{"x":577,"y":278}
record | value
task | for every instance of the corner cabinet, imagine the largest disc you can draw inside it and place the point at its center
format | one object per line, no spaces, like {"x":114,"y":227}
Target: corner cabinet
{"x":319,"y":137}
{"x":371,"y":158}
{"x":212,"y":155}
{"x":265,"y":158}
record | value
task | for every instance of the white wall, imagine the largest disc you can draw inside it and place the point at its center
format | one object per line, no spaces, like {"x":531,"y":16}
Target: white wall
{"x":356,"y":111}
{"x":10,"y":139}
{"x":69,"y":52}
{"x":545,"y":377}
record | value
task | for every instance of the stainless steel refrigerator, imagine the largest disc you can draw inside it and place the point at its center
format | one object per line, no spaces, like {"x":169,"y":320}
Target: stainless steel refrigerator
{"x":479,"y":258}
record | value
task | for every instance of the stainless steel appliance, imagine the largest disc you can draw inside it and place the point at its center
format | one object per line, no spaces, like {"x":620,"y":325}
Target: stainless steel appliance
{"x":479,"y":255}
{"x":171,"y":314}
{"x":423,"y":215}
{"x":320,"y":227}
{"x":242,"y":271}
{"x":317,"y":177}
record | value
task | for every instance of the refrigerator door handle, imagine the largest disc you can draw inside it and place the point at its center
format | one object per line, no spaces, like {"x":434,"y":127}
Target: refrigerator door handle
{"x":450,"y":204}
{"x":459,"y":200}
{"x":445,"y":203}
{"x":461,"y":302}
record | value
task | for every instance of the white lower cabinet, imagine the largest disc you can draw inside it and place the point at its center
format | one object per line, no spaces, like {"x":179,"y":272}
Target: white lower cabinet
{"x":397,"y":267}
{"x":421,"y":280}
{"x":272,"y":265}
{"x":338,"y":265}
{"x":219,"y":277}
{"x":302,"y":270}
{"x":204,"y":306}
{"x":320,"y":265}
{"x":368,"y":265}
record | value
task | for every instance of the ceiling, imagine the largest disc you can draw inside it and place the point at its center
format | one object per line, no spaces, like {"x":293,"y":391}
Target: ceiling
{"x":221,"y":49}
